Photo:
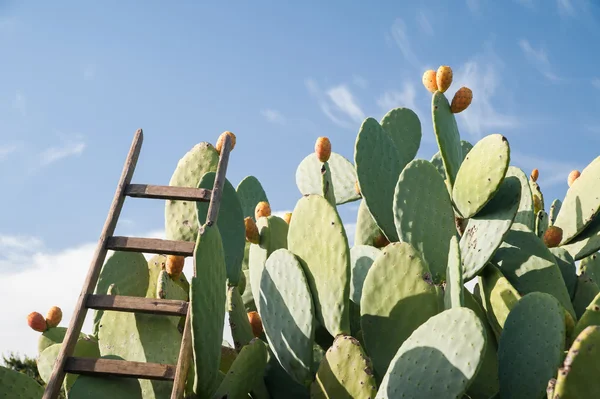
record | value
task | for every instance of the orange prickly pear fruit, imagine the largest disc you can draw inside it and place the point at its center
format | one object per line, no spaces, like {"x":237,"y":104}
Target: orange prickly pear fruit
{"x":323,"y":149}
{"x":380,"y":241}
{"x":221,"y":141}
{"x":534,"y":175}
{"x":430,"y":81}
{"x":252,"y":234}
{"x":256,"y":323}
{"x":287,"y":217}
{"x":443,"y":78}
{"x":461,"y":101}
{"x":37,"y":322}
{"x":262,"y":209}
{"x":573,"y":176}
{"x":553,"y":236}
{"x":53,"y":317}
{"x":174,"y":266}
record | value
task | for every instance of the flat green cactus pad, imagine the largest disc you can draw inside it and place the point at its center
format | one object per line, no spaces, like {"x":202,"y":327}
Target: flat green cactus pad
{"x":345,"y":372}
{"x":437,"y":161}
{"x":578,"y":378}
{"x":531,"y":346}
{"x":446,"y":135}
{"x":241,"y":331}
{"x":318,"y":239}
{"x":156,"y":264}
{"x":361,"y":260}
{"x":245,"y":372}
{"x":486,"y":230}
{"x":525,"y":215}
{"x":51,"y":336}
{"x":398,"y":296}
{"x":378,"y":165}
{"x":454,"y":296}
{"x":14,"y":384}
{"x":343,"y":175}
{"x":567,"y":268}
{"x":181,"y":220}
{"x":541,"y":223}
{"x":95,"y":387}
{"x":585,"y":292}
{"x":581,"y":204}
{"x":404,"y":127}
{"x":439,"y":359}
{"x":288,"y":314}
{"x":554,"y":210}
{"x":587,"y":242}
{"x":207,"y":300}
{"x":231,"y":225}
{"x":481,"y":174}
{"x":591,"y":316}
{"x":538,"y":196}
{"x":591,"y":267}
{"x":530,"y":266}
{"x":250,"y":192}
{"x":498,"y":297}
{"x":423,"y":214}
{"x":367,"y":230}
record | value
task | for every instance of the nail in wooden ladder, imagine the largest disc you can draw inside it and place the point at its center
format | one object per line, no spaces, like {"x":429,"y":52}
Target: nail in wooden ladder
{"x":65,"y":362}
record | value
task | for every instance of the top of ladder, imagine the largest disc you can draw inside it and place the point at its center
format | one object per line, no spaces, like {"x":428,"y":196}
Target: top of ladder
{"x":87,"y":300}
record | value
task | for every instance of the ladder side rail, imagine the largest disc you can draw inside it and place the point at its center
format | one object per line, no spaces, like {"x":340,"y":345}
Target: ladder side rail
{"x":58,"y":373}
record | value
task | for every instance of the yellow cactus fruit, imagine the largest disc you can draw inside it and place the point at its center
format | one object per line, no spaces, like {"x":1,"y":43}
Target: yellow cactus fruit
{"x":461,"y":101}
{"x":255,"y":323}
{"x":573,"y":176}
{"x":553,"y":236}
{"x":174,"y":266}
{"x":287,"y":217}
{"x":534,"y":175}
{"x":37,"y":322}
{"x":262,"y":209}
{"x":443,"y":78}
{"x":323,"y":149}
{"x":430,"y":81}
{"x":380,"y":241}
{"x":221,"y":141}
{"x":252,"y":234}
{"x":54,"y":317}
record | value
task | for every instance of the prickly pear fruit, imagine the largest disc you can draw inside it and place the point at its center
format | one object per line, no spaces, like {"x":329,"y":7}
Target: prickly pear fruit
{"x":252,"y":234}
{"x":37,"y":322}
{"x":174,"y":266}
{"x":443,"y":78}
{"x":430,"y":81}
{"x":461,"y":101}
{"x":256,"y":323}
{"x":380,"y":241}
{"x":221,"y":141}
{"x":573,"y":176}
{"x":323,"y":149}
{"x":534,"y":175}
{"x":262,"y":209}
{"x":357,"y":188}
{"x":553,"y":236}
{"x":287,"y":217}
{"x":53,"y":317}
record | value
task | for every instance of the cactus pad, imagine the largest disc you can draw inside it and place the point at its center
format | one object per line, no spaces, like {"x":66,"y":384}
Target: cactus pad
{"x":404,"y":127}
{"x":531,"y":346}
{"x":14,"y":384}
{"x":591,"y":316}
{"x":378,"y":165}
{"x":250,"y":192}
{"x":241,"y":330}
{"x":52,"y":336}
{"x":449,"y":346}
{"x":437,"y":161}
{"x":97,"y":387}
{"x":231,"y":225}
{"x":587,"y":242}
{"x":453,"y":291}
{"x":156,"y":264}
{"x":554,"y":210}
{"x":567,"y":268}
{"x":585,"y":292}
{"x":398,"y":296}
{"x":591,"y":267}
{"x":343,"y":176}
{"x":446,"y":135}
{"x":498,"y":297}
{"x":361,"y":260}
{"x":423,"y":214}
{"x":345,"y":372}
{"x":318,"y":239}
{"x":486,"y":231}
{"x":525,"y":215}
{"x":181,"y":221}
{"x":367,"y":231}
{"x":541,"y":223}
{"x":481,"y":174}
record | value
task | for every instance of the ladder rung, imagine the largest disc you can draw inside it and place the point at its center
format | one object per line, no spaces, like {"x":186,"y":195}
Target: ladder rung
{"x":167,"y":192}
{"x":151,"y":245}
{"x":121,"y":303}
{"x":120,"y":368}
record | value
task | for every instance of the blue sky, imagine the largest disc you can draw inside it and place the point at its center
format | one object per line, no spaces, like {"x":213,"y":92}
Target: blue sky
{"x":78,"y":78}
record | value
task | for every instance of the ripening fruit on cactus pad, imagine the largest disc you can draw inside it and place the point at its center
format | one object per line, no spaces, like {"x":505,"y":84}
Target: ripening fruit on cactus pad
{"x":252,"y":234}
{"x":461,"y":100}
{"x":534,"y":175}
{"x":221,"y":141}
{"x":174,"y":265}
{"x":256,"y":323}
{"x":443,"y":78}
{"x":323,"y":149}
{"x":287,"y":217}
{"x":429,"y":81}
{"x":573,"y":176}
{"x":553,"y":236}
{"x":37,"y":322}
{"x":53,"y":317}
{"x":262,"y":209}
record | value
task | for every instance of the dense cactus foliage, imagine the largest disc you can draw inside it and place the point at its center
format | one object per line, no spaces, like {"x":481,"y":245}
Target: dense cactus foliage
{"x":389,"y":317}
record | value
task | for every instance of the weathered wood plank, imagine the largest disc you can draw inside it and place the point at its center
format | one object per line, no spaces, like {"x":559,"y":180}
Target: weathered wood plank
{"x":134,"y":304}
{"x":151,"y":245}
{"x":120,"y":368}
{"x":168,"y":192}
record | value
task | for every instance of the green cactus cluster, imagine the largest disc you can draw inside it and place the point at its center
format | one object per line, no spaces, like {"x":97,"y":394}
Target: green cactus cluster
{"x":459,"y":283}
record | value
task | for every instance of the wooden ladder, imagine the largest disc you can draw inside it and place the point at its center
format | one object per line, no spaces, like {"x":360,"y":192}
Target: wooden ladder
{"x":65,"y":362}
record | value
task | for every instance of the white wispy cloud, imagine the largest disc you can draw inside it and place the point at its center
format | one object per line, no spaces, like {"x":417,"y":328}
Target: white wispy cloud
{"x":565,"y":7}
{"x":69,"y":147}
{"x":360,"y":81}
{"x":337,"y":103}
{"x":424,"y":23}
{"x":552,"y":172}
{"x":6,"y":150}
{"x":539,"y":59}
{"x":402,"y":39}
{"x":273,"y":116}
{"x":20,"y":103}
{"x":405,"y":98}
